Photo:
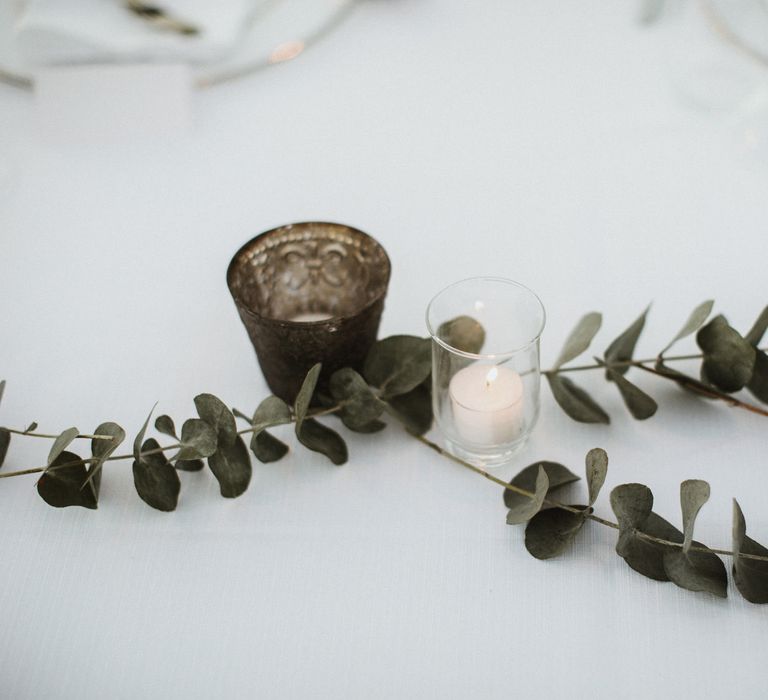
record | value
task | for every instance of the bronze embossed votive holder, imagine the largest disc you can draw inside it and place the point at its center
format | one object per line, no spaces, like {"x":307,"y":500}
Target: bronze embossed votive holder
{"x":306,"y":293}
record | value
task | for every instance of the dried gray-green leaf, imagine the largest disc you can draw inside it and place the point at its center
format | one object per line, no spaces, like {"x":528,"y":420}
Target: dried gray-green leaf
{"x":576,"y":402}
{"x":694,"y":493}
{"x":758,"y":384}
{"x":361,"y":406}
{"x":270,"y":412}
{"x":749,"y":575}
{"x":267,"y":448}
{"x":319,"y":438}
{"x":102,"y":450}
{"x":463,"y":333}
{"x":550,"y":532}
{"x":198,"y":440}
{"x":728,"y":358}
{"x":580,"y":337}
{"x":5,"y":441}
{"x":398,"y":364}
{"x":61,"y":443}
{"x":304,"y":397}
{"x":526,"y":508}
{"x":646,"y":557}
{"x":622,"y":349}
{"x":30,"y":428}
{"x":164,"y":424}
{"x":757,"y":331}
{"x":155,"y":479}
{"x":62,"y":487}
{"x":2,"y":389}
{"x":697,"y":571}
{"x":216,"y":413}
{"x":640,"y":405}
{"x":632,"y":504}
{"x":231,"y":466}
{"x":139,"y":439}
{"x":413,"y":409}
{"x":557,"y":476}
{"x":189,"y":465}
{"x":695,"y":321}
{"x":597,"y":469}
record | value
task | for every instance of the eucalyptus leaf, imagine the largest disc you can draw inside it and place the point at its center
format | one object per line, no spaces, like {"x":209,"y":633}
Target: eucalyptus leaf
{"x":463,"y":333}
{"x":694,"y":493}
{"x":164,"y":424}
{"x":2,"y":389}
{"x":524,"y":510}
{"x":62,"y":486}
{"x":30,"y":428}
{"x":526,"y":479}
{"x":139,"y":439}
{"x":267,"y":448}
{"x":319,"y":438}
{"x":61,"y":443}
{"x":645,"y":557}
{"x":758,"y":384}
{"x":398,"y":364}
{"x":597,"y":469}
{"x":622,"y":349}
{"x":215,"y":412}
{"x":550,"y":532}
{"x":189,"y":465}
{"x":580,"y":337}
{"x":632,"y":504}
{"x":697,"y":571}
{"x":155,"y":479}
{"x":695,"y":321}
{"x":684,"y":381}
{"x":270,"y":412}
{"x":231,"y":466}
{"x":198,"y":440}
{"x":103,"y":449}
{"x":5,"y":441}
{"x":728,"y":358}
{"x":749,"y":575}
{"x":756,"y":333}
{"x":304,"y":397}
{"x":640,"y":405}
{"x":413,"y":410}
{"x":576,"y":402}
{"x":361,"y":406}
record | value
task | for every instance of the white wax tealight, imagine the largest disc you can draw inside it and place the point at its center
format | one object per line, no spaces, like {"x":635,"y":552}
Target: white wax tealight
{"x":487,"y":403}
{"x":310,"y":317}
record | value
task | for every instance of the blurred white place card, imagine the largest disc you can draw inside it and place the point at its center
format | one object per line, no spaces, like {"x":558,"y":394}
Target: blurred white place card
{"x":108,"y":103}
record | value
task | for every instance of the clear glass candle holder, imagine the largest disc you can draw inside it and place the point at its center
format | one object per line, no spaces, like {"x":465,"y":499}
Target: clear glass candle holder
{"x":485,"y":394}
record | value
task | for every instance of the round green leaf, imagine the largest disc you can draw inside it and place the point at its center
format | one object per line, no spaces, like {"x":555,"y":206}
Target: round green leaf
{"x":198,"y":440}
{"x":398,"y":364}
{"x":215,"y":412}
{"x":526,"y":479}
{"x":632,"y":504}
{"x":526,"y":508}
{"x":319,"y":438}
{"x":156,"y":481}
{"x":550,"y":532}
{"x":267,"y":448}
{"x":697,"y":571}
{"x":63,"y":486}
{"x":362,"y":407}
{"x":728,"y":358}
{"x":164,"y":424}
{"x":463,"y":333}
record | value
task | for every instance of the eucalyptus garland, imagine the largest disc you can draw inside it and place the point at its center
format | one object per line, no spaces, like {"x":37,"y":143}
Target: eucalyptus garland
{"x":395,"y":381}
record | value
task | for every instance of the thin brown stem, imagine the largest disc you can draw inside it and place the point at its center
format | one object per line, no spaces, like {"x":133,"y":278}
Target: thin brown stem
{"x":53,"y":437}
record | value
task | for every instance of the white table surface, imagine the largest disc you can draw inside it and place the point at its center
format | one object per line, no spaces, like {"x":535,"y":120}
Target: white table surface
{"x":538,"y":141}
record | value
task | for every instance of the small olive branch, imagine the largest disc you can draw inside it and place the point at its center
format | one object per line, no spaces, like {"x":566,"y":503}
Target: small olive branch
{"x":396,"y":380}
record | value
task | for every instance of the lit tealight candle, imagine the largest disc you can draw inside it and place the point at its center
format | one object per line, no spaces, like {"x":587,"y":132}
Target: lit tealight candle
{"x":310,"y":317}
{"x":487,"y":404}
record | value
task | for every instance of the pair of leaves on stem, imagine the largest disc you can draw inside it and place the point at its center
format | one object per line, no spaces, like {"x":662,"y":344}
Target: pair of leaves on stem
{"x":67,"y":481}
{"x":551,"y":530}
{"x":645,"y":537}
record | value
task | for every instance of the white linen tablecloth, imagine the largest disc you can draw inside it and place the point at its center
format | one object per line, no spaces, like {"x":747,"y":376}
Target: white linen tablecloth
{"x":544,"y":142}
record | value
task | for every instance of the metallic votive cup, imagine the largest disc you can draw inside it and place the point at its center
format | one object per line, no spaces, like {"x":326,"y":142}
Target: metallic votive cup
{"x":311,"y":268}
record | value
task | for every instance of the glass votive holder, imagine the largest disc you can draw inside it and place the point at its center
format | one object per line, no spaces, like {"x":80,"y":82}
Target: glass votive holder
{"x":486,"y":399}
{"x":309,"y":292}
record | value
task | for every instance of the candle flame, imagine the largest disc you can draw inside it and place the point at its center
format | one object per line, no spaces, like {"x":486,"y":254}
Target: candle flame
{"x":490,"y":378}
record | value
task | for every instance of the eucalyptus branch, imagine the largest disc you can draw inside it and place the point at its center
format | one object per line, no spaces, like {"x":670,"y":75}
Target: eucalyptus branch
{"x":53,"y":437}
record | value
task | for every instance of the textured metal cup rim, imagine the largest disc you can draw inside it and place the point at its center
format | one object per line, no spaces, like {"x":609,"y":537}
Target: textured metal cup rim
{"x":333,"y":319}
{"x":494,"y":355}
